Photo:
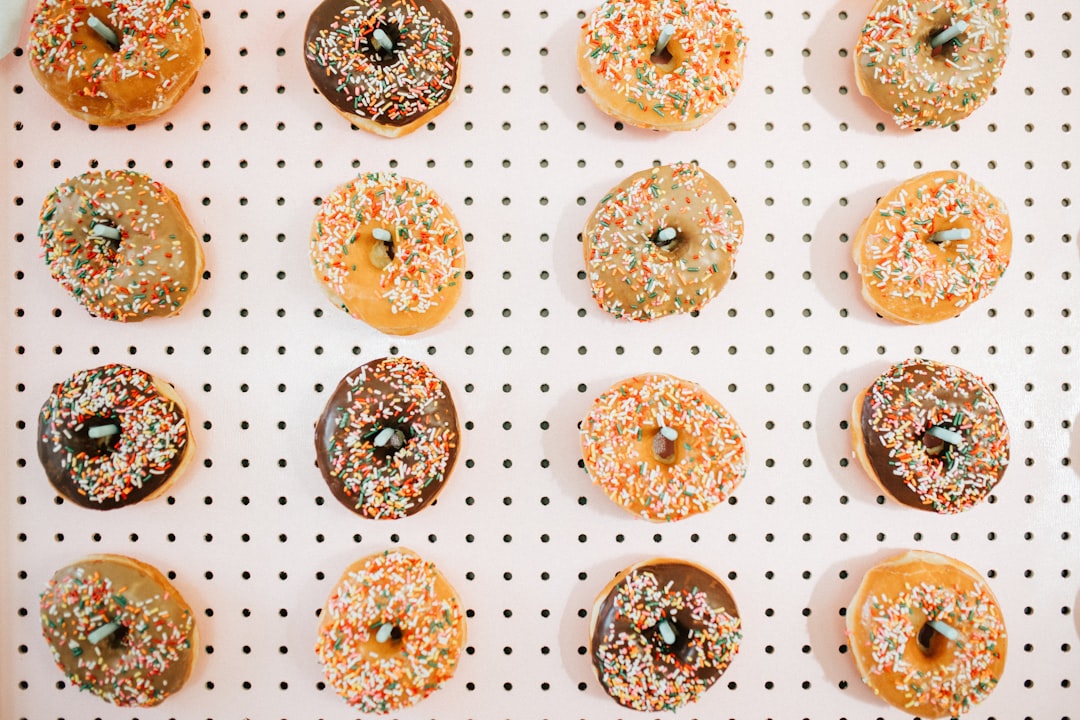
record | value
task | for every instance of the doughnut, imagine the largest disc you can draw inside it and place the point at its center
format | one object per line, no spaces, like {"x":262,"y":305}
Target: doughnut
{"x":931,"y":63}
{"x":662,"y":64}
{"x":113,"y":436}
{"x":387,"y":66}
{"x":933,"y":246}
{"x":388,"y":438}
{"x":121,"y":245}
{"x":118,"y":628}
{"x":662,"y":242}
{"x":931,"y":435}
{"x":662,"y":448}
{"x":388,"y":251}
{"x":649,"y":657}
{"x":927,"y":634}
{"x":391,"y":632}
{"x":116,"y":62}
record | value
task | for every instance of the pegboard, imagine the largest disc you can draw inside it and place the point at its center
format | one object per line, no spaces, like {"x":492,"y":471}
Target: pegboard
{"x":256,"y":541}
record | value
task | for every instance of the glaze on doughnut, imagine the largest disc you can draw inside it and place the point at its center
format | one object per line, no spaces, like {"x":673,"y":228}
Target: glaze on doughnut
{"x":392,"y":91}
{"x":158,"y":52}
{"x":121,"y":245}
{"x":923,"y":87}
{"x":927,"y":634}
{"x":404,"y":283}
{"x":388,"y":438}
{"x":662,"y":633}
{"x":908,"y":275}
{"x":680,"y":88}
{"x":931,"y":435}
{"x":391,"y":632}
{"x":638,"y":273}
{"x":118,"y":628}
{"x":629,"y":451}
{"x":113,"y":436}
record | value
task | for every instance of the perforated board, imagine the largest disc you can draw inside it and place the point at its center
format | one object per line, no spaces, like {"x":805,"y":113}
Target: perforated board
{"x":255,"y":540}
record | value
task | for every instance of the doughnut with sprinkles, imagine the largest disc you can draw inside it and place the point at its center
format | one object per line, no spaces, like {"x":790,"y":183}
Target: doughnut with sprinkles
{"x":932,"y":247}
{"x":116,"y":62}
{"x":662,"y":447}
{"x":113,"y":436}
{"x":662,"y":242}
{"x":117,"y":627}
{"x":121,"y":245}
{"x":931,"y":435}
{"x":389,"y":251}
{"x":387,"y":66}
{"x":931,"y":63}
{"x":388,"y":439}
{"x":391,"y":632}
{"x":927,"y":634}
{"x":662,"y":64}
{"x":662,"y":632}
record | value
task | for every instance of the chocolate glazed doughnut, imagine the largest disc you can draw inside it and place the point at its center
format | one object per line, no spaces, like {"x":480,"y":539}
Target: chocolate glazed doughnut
{"x":387,"y":66}
{"x":662,"y":633}
{"x":388,"y":438}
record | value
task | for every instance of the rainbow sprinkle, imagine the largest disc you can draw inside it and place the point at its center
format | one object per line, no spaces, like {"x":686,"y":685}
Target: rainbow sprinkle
{"x":428,"y":252}
{"x":616,"y":439}
{"x":618,"y":42}
{"x":152,"y":441}
{"x":395,"y":587}
{"x":916,"y":395}
{"x":634,"y":278}
{"x":156,"y":644}
{"x":636,"y":672}
{"x":920,"y":88}
{"x":151,"y":271}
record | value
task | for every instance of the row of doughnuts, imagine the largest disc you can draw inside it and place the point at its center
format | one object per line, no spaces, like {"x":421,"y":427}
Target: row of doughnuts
{"x":389,"y":251}
{"x":924,"y":629}
{"x":390,"y":66}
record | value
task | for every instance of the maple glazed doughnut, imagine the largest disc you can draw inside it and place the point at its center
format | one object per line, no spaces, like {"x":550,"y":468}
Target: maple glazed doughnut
{"x":391,"y":632}
{"x":388,"y":438}
{"x":931,"y":435}
{"x":390,"y":252}
{"x":927,"y":634}
{"x":662,"y":448}
{"x":121,"y":245}
{"x":662,"y":633}
{"x":118,"y":628}
{"x":662,"y":64}
{"x":113,"y":436}
{"x":934,"y":245}
{"x":111,"y":62}
{"x":387,"y":66}
{"x":662,"y":242}
{"x":931,"y":63}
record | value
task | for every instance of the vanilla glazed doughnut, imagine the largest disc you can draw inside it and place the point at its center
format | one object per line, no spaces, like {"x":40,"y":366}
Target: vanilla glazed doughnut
{"x":931,"y":63}
{"x":111,"y":62}
{"x":387,"y":66}
{"x":388,"y":438}
{"x":662,"y":632}
{"x":121,"y":245}
{"x":927,"y":634}
{"x":662,"y":242}
{"x":390,"y":252}
{"x":931,"y":435}
{"x":662,"y":64}
{"x":118,"y":628}
{"x":934,"y":245}
{"x":113,"y":436}
{"x":391,"y":632}
{"x":662,"y":447}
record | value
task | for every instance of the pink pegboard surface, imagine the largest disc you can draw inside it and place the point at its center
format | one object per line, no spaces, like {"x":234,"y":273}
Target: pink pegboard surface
{"x":256,"y":541}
